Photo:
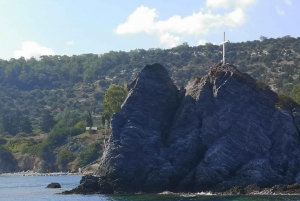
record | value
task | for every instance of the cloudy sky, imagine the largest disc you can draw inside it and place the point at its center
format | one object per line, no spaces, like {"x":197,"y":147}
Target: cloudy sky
{"x":56,"y":27}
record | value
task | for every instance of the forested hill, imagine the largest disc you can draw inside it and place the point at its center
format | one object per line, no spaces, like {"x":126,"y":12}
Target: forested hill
{"x":79,"y":82}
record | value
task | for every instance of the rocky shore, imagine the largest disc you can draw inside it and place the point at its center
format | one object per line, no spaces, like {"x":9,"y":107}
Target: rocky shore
{"x":89,"y":185}
{"x":221,"y":133}
{"x":32,"y":174}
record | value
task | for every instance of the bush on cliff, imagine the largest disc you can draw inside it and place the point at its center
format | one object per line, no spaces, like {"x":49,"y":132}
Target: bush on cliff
{"x":64,"y":157}
{"x":295,"y":93}
{"x":285,"y":102}
{"x":113,"y":100}
{"x":88,"y":155}
{"x":18,"y":145}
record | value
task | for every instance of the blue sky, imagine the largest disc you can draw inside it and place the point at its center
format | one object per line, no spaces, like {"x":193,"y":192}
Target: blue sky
{"x":72,"y":27}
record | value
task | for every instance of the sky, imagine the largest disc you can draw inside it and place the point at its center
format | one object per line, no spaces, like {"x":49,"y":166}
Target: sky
{"x":73,"y":27}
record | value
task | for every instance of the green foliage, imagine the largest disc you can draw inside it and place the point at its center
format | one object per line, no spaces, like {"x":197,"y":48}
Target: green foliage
{"x":67,"y":118}
{"x":40,"y":150}
{"x":84,"y":135}
{"x":113,"y":100}
{"x":18,"y":145}
{"x":78,"y":82}
{"x":262,"y":85}
{"x":47,"y":122}
{"x":295,"y":93}
{"x":88,"y":155}
{"x":285,"y":102}
{"x":80,"y":125}
{"x":15,"y":122}
{"x":89,"y":119}
{"x":64,"y":157}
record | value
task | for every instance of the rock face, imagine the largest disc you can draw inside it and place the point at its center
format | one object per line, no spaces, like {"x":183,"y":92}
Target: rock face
{"x":54,"y":185}
{"x":7,"y":162}
{"x":221,"y":131}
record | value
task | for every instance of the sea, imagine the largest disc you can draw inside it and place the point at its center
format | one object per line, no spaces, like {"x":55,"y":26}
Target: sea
{"x":33,"y":188}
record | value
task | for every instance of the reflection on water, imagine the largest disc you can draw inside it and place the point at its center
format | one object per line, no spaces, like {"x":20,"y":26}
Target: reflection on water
{"x":34,"y":188}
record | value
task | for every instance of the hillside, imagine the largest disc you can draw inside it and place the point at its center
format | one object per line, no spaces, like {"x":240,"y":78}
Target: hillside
{"x":79,"y":82}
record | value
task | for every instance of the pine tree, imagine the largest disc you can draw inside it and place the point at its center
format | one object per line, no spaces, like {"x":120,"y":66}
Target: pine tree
{"x":47,"y":122}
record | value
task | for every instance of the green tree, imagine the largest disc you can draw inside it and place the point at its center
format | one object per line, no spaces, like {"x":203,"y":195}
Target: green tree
{"x":113,"y":100}
{"x":89,"y":119}
{"x":88,"y":155}
{"x":63,"y":158}
{"x":26,"y":126}
{"x":47,"y":122}
{"x":262,"y":38}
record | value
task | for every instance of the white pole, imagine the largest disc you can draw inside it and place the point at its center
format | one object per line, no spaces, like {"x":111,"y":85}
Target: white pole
{"x":224,"y":50}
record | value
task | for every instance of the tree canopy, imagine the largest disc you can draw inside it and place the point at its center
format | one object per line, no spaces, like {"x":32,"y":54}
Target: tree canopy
{"x":113,"y":100}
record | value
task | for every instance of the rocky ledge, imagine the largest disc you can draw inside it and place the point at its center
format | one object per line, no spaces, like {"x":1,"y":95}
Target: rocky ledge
{"x":221,"y":131}
{"x":7,"y":162}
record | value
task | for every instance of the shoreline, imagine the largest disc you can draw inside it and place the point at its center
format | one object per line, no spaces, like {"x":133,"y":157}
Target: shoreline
{"x":29,"y":174}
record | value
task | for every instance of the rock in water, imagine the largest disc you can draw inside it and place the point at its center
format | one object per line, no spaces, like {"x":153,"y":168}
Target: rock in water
{"x":7,"y":162}
{"x":221,"y":131}
{"x":54,"y":185}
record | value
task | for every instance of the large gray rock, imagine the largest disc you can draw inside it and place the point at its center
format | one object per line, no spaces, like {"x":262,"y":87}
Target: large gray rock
{"x":221,"y":131}
{"x":7,"y":162}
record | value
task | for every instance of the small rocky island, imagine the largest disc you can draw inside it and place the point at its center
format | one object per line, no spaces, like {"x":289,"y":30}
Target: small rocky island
{"x":222,"y":131}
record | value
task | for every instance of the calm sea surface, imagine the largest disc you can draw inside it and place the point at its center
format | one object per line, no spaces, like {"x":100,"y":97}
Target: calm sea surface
{"x":34,"y":188}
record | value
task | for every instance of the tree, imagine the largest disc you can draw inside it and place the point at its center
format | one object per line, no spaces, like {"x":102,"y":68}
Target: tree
{"x":262,"y":38}
{"x":89,"y":119}
{"x":63,"y":158}
{"x":48,"y":121}
{"x":113,"y":100}
{"x":15,"y":122}
{"x":26,"y":126}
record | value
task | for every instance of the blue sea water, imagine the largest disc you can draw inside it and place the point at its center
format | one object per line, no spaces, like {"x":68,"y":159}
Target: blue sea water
{"x":33,"y":188}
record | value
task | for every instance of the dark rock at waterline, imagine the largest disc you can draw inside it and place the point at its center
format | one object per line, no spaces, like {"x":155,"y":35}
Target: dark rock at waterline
{"x":54,"y":185}
{"x":223,"y":130}
{"x":90,"y":185}
{"x":255,"y":190}
{"x":8,"y":163}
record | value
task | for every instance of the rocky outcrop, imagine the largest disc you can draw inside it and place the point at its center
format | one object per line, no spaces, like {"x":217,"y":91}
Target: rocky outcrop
{"x":7,"y":162}
{"x":221,"y":131}
{"x":28,"y":162}
{"x":54,"y":185}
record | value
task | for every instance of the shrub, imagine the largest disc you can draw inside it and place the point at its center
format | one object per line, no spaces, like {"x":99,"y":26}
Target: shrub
{"x":80,"y":125}
{"x":18,"y":145}
{"x":262,"y":85}
{"x":88,"y":155}
{"x":21,"y":134}
{"x":285,"y":102}
{"x":63,"y":158}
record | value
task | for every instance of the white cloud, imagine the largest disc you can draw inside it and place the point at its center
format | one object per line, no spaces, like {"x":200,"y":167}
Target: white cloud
{"x":288,"y":2}
{"x":142,"y":21}
{"x":32,"y":49}
{"x":202,"y":42}
{"x":242,"y":4}
{"x":172,"y":30}
{"x":70,"y":42}
{"x":169,"y":40}
{"x":279,"y":11}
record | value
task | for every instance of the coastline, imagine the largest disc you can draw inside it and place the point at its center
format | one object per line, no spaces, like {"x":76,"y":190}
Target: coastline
{"x":30,"y":173}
